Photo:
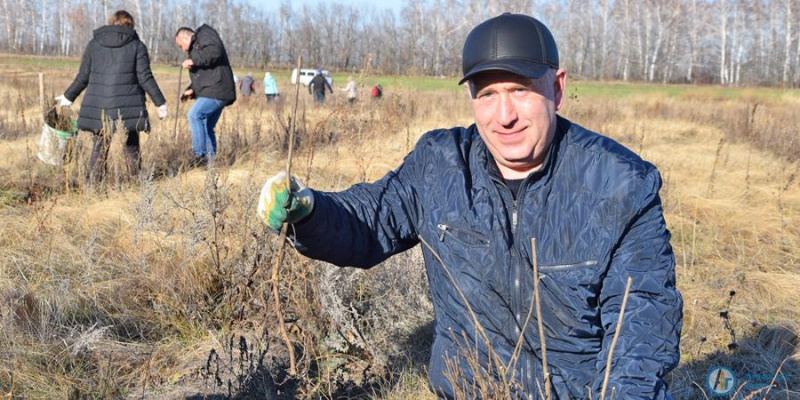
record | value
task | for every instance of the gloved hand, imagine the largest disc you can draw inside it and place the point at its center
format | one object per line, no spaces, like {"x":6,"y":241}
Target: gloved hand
{"x":63,"y":101}
{"x":276,"y":205}
{"x":162,"y":111}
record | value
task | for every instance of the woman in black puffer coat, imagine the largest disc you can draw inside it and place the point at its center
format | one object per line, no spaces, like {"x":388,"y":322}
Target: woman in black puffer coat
{"x":115,"y":71}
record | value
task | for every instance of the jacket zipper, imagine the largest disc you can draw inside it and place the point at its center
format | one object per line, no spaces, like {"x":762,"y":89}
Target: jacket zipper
{"x":517,"y":301}
{"x":567,"y":267}
{"x":517,"y":266}
{"x":449,"y":230}
{"x":513,"y":218}
{"x":517,"y":273}
{"x":443,"y":228}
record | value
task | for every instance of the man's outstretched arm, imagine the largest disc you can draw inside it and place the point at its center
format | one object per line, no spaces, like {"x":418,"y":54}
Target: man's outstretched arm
{"x":360,"y":226}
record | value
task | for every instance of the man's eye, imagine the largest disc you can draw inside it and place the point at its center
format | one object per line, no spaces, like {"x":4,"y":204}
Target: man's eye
{"x":487,"y":95}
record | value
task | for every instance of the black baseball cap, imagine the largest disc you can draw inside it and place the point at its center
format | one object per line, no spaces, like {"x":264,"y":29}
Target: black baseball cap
{"x":510,"y":42}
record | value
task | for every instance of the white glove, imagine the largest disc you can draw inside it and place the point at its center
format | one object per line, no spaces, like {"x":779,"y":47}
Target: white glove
{"x":162,"y":111}
{"x":63,"y":101}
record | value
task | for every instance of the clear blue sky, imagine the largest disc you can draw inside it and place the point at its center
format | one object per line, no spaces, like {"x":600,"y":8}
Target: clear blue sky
{"x":376,"y":4}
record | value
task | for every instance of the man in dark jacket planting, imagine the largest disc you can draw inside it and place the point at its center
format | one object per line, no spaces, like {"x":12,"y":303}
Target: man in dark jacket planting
{"x":115,"y":72}
{"x":476,"y":196}
{"x":212,"y":85}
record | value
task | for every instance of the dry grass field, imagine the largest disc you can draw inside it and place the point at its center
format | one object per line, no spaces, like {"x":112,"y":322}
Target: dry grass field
{"x":137,"y":288}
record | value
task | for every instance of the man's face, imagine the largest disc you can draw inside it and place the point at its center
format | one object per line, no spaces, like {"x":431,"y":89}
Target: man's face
{"x":516,"y":117}
{"x":183,"y":40}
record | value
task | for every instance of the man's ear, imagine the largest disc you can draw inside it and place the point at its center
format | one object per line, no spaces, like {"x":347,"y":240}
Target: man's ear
{"x":559,"y":87}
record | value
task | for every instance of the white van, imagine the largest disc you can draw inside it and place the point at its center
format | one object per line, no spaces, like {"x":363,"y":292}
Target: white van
{"x":306,"y":75}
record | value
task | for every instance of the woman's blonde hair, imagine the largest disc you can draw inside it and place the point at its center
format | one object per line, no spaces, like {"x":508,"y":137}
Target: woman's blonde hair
{"x":123,"y":18}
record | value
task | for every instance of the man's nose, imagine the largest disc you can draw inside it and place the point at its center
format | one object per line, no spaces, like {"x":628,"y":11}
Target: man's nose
{"x":506,"y":111}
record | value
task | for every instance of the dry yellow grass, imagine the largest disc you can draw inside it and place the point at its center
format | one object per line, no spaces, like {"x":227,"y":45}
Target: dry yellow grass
{"x":124,"y":289}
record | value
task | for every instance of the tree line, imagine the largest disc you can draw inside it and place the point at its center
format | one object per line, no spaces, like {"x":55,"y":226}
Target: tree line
{"x":729,"y":42}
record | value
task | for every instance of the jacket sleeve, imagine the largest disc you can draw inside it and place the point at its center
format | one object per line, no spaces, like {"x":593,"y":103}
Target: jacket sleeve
{"x":145,"y":76}
{"x":366,"y":223}
{"x":82,"y":79}
{"x":648,"y":344}
{"x":207,"y":52}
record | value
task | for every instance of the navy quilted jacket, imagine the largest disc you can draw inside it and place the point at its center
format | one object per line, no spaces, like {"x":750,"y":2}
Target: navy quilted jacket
{"x":597,"y":218}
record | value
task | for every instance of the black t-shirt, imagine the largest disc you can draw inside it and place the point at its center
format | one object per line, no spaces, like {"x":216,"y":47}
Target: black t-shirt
{"x":514,"y":185}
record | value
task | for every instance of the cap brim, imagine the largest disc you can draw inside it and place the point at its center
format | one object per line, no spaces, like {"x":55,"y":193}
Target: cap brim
{"x":524,"y":68}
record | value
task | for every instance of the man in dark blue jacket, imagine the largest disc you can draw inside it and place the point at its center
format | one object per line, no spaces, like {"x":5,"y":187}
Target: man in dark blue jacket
{"x":212,"y":85}
{"x":476,"y":196}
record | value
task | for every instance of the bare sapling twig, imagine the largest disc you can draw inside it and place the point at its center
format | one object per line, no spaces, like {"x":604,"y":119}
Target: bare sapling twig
{"x":539,"y":319}
{"x":312,"y":140}
{"x":710,"y":192}
{"x":512,"y":365}
{"x":616,"y":336}
{"x":282,"y":239}
{"x":479,"y":330}
{"x":771,"y":383}
{"x":177,"y":104}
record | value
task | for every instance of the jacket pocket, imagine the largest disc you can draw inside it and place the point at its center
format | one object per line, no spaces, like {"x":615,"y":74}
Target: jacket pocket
{"x":464,"y":236}
{"x":567,"y":267}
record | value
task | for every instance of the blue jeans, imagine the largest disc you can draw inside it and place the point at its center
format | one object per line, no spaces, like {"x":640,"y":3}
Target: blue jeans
{"x":203,"y":117}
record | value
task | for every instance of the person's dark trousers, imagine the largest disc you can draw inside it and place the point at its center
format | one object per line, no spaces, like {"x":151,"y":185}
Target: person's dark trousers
{"x":101,"y":143}
{"x":273,"y":97}
{"x":319,"y":97}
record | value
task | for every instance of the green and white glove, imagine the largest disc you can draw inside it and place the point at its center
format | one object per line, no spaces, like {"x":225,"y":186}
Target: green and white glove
{"x":276,"y":205}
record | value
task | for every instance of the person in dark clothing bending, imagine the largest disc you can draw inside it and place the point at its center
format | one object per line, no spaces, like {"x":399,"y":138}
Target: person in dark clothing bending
{"x":212,"y":85}
{"x":318,"y":85}
{"x":115,"y":72}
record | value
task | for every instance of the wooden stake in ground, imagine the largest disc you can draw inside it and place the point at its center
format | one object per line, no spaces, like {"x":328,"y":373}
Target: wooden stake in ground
{"x":282,"y":239}
{"x":41,"y":94}
{"x":178,"y":104}
{"x":614,"y":341}
{"x":539,"y":319}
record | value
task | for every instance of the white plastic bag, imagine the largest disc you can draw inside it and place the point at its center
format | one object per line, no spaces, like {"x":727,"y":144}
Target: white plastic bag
{"x":53,"y":145}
